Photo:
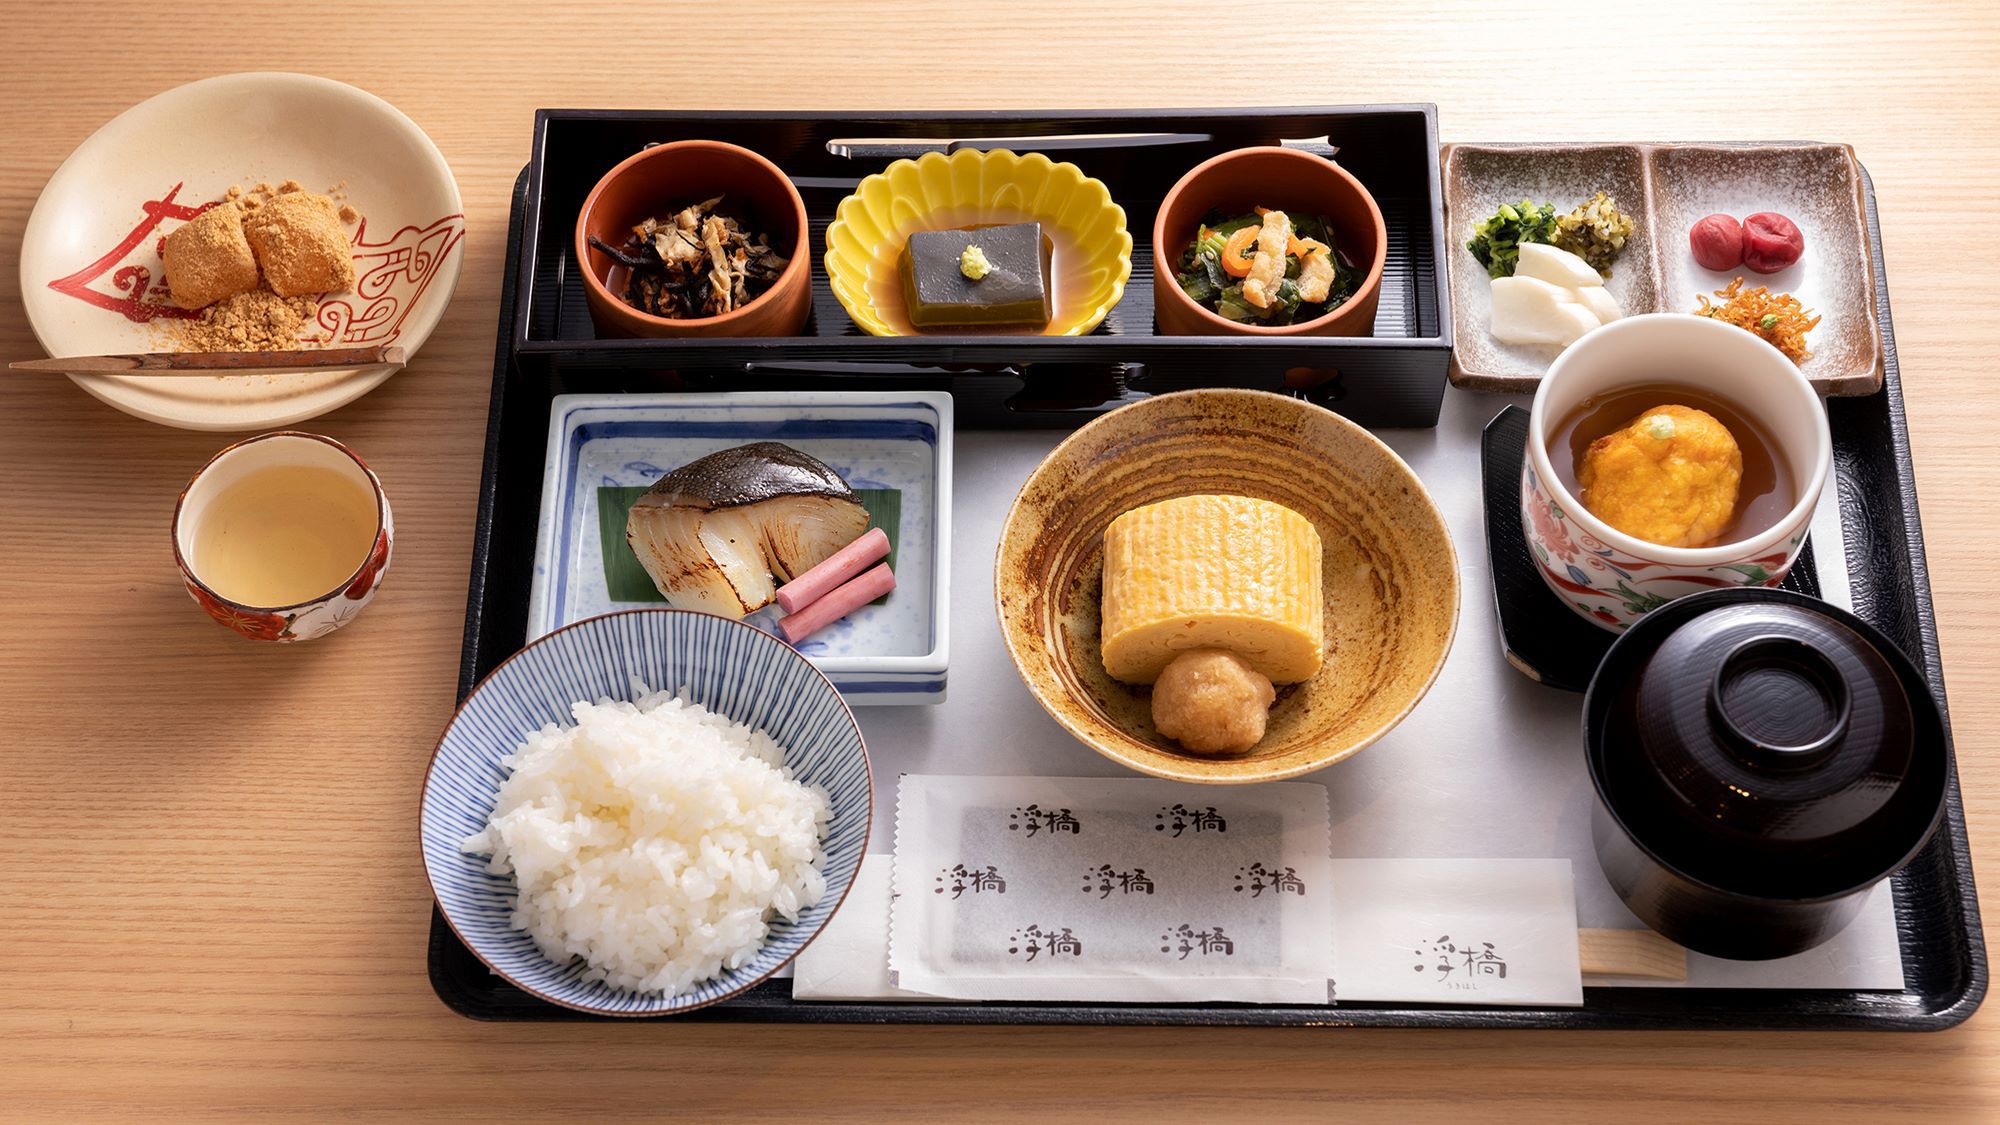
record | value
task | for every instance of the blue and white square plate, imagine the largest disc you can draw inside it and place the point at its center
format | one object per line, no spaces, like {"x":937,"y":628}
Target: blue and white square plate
{"x":892,"y":447}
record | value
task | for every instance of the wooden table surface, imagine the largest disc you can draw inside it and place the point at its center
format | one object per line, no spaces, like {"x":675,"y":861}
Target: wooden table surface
{"x":210,"y":897}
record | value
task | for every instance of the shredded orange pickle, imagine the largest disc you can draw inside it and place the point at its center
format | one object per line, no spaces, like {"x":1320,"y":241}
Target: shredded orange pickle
{"x":1778,"y":318}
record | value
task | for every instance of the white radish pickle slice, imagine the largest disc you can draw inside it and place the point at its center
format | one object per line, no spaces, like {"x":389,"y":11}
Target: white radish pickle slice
{"x":1527,"y":310}
{"x":1600,"y":302}
{"x":1557,"y":267}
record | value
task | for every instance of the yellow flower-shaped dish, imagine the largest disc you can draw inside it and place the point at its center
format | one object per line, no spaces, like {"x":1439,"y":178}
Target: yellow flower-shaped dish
{"x":864,"y":245}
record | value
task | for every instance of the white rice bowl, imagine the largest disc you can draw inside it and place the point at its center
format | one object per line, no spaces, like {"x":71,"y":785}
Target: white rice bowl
{"x":656,"y":841}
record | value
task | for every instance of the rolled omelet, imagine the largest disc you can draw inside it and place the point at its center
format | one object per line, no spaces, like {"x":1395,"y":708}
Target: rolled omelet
{"x":1212,"y":572}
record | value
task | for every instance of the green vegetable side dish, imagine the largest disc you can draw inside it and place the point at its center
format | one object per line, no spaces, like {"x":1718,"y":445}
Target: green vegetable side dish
{"x":1206,"y":280}
{"x":1595,"y":231}
{"x":1496,"y":242}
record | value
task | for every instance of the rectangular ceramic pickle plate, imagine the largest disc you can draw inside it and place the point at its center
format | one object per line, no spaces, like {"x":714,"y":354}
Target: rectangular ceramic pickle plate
{"x":1909,"y":958}
{"x":1668,"y":191}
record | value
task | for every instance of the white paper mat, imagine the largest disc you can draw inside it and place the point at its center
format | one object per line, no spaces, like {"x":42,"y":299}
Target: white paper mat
{"x":1489,"y":764}
{"x":1111,"y":889}
{"x":849,"y":960}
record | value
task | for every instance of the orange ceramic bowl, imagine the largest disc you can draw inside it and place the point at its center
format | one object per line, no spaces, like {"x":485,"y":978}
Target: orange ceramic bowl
{"x":671,"y":176}
{"x":1285,"y":179}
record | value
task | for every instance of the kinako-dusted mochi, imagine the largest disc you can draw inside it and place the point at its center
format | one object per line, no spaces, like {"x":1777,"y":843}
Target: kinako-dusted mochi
{"x":1212,"y":571}
{"x":301,"y":245}
{"x":1014,"y":287}
{"x":1669,"y":476}
{"x":208,"y":259}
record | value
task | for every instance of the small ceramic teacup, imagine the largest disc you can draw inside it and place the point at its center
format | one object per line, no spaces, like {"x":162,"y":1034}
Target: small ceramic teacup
{"x":1612,"y":578}
{"x":284,"y":536}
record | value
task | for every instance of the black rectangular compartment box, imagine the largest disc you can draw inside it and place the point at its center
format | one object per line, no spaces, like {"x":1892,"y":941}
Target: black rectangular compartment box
{"x":546,"y":348}
{"x":1394,"y":378}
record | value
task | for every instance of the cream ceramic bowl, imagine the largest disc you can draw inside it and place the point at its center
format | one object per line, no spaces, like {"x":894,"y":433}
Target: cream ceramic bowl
{"x":1611,"y":578}
{"x":1389,"y":573}
{"x":91,"y":277}
{"x":318,"y":615}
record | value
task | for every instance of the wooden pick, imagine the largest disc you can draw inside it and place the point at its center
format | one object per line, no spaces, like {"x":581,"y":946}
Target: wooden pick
{"x":185,"y":364}
{"x":1631,"y":953}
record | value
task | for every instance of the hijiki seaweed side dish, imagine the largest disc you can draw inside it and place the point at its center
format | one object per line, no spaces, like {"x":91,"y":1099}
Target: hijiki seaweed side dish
{"x":697,"y":262}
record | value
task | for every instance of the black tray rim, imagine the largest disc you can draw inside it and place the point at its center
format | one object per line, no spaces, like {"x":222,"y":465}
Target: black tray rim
{"x":971,"y":349}
{"x":1620,"y":1008}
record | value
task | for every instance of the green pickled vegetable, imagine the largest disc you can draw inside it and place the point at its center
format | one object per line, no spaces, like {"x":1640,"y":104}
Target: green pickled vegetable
{"x":1496,"y":242}
{"x":1596,"y":232}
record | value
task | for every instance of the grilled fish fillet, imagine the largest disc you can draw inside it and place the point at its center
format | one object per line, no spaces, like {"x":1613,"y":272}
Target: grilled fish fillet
{"x":714,"y":532}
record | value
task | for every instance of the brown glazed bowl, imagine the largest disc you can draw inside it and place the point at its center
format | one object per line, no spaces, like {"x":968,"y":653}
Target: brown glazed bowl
{"x":1286,"y":179}
{"x":1390,"y":574}
{"x":669,"y":176}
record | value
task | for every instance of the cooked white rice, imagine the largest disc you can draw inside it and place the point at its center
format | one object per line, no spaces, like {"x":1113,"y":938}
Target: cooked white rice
{"x":656,"y":841}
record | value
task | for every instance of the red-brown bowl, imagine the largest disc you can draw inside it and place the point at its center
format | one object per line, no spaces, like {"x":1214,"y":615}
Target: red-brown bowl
{"x":670,"y":176}
{"x":1286,"y":179}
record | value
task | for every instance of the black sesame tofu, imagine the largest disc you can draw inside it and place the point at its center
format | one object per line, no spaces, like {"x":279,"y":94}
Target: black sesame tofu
{"x":984,"y":276}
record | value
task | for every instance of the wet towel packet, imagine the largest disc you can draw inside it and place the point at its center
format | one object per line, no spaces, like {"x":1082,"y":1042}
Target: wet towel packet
{"x":1456,"y":931}
{"x":1111,"y":889}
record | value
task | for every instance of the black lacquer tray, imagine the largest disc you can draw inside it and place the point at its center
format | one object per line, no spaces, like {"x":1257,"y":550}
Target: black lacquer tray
{"x":544,"y":349}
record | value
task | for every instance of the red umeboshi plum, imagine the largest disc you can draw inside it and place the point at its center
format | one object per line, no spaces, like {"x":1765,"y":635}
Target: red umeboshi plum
{"x":1771,"y":242}
{"x":1717,"y":242}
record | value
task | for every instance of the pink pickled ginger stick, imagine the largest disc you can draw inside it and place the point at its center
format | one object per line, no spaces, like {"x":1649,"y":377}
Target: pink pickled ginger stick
{"x":842,"y":601}
{"x":840,"y":566}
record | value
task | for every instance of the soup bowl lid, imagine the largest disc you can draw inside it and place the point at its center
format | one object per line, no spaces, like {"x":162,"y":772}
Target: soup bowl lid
{"x":1767,"y":743}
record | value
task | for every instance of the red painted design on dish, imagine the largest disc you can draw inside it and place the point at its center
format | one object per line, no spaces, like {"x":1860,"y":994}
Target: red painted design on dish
{"x":1553,"y":530}
{"x":378,"y":558}
{"x":390,"y":277}
{"x":256,"y":626}
{"x":142,"y":298}
{"x":391,"y":274}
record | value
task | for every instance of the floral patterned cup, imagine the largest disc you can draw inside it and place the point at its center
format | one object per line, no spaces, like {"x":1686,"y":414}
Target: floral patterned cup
{"x":1612,"y":578}
{"x":301,"y":621}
